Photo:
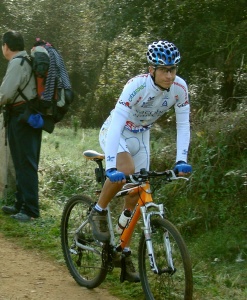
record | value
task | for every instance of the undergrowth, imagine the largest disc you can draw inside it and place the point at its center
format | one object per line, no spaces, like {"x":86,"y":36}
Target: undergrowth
{"x":210,"y":210}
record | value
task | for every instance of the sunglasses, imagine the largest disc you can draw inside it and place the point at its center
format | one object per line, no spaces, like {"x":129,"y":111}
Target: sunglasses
{"x":165,"y":70}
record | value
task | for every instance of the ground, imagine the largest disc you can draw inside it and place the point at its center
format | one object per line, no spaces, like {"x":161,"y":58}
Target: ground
{"x":25,"y":274}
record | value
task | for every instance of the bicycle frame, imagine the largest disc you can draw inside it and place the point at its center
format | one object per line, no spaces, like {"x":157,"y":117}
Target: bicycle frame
{"x":145,"y":201}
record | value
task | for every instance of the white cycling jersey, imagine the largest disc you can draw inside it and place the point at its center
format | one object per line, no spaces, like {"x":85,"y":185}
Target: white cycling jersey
{"x":138,"y":107}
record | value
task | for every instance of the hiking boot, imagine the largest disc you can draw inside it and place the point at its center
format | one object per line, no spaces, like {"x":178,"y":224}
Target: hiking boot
{"x":22,"y":217}
{"x":128,"y":269}
{"x":10,"y":210}
{"x":98,"y":221}
{"x":117,"y":260}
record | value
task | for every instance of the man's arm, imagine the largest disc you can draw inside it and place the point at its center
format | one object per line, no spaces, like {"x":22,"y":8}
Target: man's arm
{"x":183,"y":135}
{"x":11,"y":82}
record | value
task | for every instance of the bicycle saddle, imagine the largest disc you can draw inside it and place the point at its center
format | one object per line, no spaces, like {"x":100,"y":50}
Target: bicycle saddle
{"x":92,"y":155}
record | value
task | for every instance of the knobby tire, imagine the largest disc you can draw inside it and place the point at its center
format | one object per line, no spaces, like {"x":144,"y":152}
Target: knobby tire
{"x":85,"y":266}
{"x":165,"y":286}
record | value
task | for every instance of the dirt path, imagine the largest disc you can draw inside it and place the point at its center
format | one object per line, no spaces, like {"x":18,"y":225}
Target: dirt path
{"x":26,"y":275}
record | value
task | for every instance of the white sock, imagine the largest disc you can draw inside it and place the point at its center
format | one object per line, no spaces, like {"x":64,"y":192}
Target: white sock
{"x":126,"y":249}
{"x":98,"y":208}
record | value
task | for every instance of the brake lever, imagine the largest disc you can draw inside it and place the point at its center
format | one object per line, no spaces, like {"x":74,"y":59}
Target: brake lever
{"x":133,"y":179}
{"x":174,"y":177}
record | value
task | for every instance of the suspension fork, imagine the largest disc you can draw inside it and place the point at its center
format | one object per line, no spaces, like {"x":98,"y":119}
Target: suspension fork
{"x":168,"y":248}
{"x":148,"y":231}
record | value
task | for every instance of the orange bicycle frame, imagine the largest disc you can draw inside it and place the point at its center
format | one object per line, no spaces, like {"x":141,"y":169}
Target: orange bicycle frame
{"x":144,"y":197}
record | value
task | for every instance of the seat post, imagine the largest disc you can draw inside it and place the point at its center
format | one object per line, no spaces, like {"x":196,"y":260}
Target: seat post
{"x":101,"y":169}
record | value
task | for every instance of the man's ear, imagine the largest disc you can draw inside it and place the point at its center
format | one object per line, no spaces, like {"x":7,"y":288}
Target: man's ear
{"x":151,"y":70}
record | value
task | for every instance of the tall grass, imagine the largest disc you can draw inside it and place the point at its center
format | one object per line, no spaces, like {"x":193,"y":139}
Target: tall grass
{"x":210,"y":210}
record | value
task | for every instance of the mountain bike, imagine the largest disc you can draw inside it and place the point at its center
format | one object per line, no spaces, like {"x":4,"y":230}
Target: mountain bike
{"x":163,"y":259}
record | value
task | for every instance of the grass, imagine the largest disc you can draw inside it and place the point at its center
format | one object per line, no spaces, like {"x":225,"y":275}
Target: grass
{"x":210,"y":210}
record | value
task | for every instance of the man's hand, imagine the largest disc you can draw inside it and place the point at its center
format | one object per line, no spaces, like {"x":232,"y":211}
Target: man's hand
{"x":182,"y":168}
{"x":115,"y":176}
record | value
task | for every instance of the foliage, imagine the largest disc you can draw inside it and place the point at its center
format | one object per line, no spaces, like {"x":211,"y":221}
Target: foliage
{"x":209,"y":210}
{"x":104,"y":44}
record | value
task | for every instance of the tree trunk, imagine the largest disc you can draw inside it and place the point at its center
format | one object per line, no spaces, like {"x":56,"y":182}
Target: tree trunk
{"x":228,"y":84}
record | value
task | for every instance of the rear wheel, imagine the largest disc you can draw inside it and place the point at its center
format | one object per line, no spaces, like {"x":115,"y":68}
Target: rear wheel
{"x":174,"y":281}
{"x":82,"y":253}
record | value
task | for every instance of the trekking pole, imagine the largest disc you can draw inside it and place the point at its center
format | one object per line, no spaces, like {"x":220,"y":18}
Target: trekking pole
{"x":5,"y":123}
{"x":7,"y":169}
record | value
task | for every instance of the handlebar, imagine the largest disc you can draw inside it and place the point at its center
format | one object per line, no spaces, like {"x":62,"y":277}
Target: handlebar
{"x":145,"y":175}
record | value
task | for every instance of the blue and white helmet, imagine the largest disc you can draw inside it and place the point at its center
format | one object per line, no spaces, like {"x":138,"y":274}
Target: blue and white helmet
{"x":163,"y":53}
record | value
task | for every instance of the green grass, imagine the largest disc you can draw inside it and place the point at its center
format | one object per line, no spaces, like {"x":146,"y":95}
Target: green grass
{"x":210,"y":210}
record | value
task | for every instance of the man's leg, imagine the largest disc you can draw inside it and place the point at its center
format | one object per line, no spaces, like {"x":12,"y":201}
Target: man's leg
{"x":98,"y":215}
{"x":126,"y":165}
{"x":25,"y":142}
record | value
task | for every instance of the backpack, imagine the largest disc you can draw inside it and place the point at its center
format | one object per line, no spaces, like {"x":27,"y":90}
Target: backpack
{"x":54,"y":93}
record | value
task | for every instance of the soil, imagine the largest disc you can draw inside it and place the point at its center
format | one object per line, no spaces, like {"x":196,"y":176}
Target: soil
{"x":25,"y":274}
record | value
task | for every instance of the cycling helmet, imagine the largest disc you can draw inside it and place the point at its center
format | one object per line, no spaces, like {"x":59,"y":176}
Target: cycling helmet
{"x":163,"y":53}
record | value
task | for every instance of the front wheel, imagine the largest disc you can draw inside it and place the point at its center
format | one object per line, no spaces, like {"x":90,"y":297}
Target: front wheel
{"x":174,"y":279}
{"x":82,"y":253}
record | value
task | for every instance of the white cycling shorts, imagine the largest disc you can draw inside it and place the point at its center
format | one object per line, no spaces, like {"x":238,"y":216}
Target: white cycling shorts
{"x":137,"y":144}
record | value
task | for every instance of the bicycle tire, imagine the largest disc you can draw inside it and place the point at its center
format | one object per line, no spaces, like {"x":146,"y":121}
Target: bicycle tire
{"x":85,"y":266}
{"x":165,"y":286}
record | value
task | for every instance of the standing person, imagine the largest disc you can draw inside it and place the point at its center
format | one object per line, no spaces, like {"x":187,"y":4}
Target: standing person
{"x":24,"y":140}
{"x":124,"y":137}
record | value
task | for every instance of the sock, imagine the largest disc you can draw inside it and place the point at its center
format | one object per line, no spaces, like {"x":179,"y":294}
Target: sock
{"x":126,"y":249}
{"x":98,"y":208}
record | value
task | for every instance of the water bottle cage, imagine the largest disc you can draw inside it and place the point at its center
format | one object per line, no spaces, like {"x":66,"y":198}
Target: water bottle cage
{"x":120,"y":226}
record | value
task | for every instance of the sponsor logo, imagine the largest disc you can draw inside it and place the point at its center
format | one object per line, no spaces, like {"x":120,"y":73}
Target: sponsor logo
{"x":134,"y":128}
{"x":183,"y":87}
{"x":183,"y":104}
{"x":148,"y":103}
{"x":153,"y":114}
{"x":164,"y":103}
{"x":139,"y":99}
{"x":110,"y":158}
{"x":135,"y":92}
{"x":127,"y":104}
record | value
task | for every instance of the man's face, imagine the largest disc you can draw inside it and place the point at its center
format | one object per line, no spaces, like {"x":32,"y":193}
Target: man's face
{"x":164,"y":76}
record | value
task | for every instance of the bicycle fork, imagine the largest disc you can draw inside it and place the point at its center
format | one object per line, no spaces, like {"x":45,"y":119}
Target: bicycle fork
{"x":148,"y":237}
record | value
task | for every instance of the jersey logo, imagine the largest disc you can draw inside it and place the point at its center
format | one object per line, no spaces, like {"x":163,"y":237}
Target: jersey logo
{"x":136,"y":91}
{"x":183,"y":104}
{"x":164,"y":103}
{"x":127,"y":104}
{"x":148,"y":103}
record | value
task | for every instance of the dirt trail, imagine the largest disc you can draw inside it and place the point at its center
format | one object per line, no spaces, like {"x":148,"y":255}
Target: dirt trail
{"x":24,"y":274}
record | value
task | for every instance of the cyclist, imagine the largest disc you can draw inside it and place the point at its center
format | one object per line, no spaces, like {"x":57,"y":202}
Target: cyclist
{"x":124,"y":137}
